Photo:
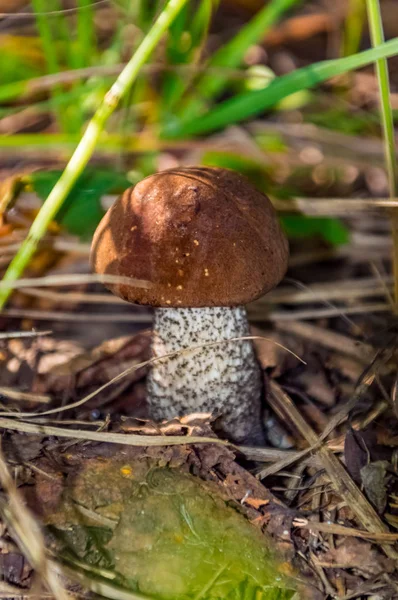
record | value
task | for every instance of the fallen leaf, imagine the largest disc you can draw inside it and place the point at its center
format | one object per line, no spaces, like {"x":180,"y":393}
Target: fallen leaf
{"x":256,"y":502}
{"x":375,"y":480}
{"x":353,"y":553}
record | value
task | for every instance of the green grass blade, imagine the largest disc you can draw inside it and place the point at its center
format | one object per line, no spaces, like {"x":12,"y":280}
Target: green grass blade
{"x":253,"y":103}
{"x":81,"y":52}
{"x":146,"y":12}
{"x":377,"y":36}
{"x":50,"y":51}
{"x":232,"y":54}
{"x":58,"y":47}
{"x":201,"y":20}
{"x":12,"y":90}
{"x":46,"y":36}
{"x":195,"y":27}
{"x":376,"y":31}
{"x":87,"y":145}
{"x":354,"y":25}
{"x":85,"y":47}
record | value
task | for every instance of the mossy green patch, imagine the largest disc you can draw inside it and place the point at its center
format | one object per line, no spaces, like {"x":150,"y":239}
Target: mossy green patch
{"x":168,"y":536}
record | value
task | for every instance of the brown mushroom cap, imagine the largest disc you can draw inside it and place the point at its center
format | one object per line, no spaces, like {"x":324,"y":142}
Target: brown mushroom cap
{"x":201,"y":236}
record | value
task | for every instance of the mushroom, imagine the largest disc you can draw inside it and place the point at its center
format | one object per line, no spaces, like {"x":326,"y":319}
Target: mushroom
{"x":209,"y":243}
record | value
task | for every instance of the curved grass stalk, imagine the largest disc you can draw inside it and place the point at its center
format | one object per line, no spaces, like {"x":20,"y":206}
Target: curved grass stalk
{"x":377,"y":36}
{"x":87,"y":145}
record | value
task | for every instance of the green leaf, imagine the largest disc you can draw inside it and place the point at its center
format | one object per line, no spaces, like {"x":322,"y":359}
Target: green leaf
{"x":81,"y":211}
{"x":329,"y":229}
{"x":253,"y":103}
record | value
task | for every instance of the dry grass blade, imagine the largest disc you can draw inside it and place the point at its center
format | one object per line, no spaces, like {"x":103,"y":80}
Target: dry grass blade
{"x":283,"y":463}
{"x":81,"y":317}
{"x":339,"y":207}
{"x":333,"y":206}
{"x":339,"y":477}
{"x":23,"y":334}
{"x":11,"y":591}
{"x":255,"y":314}
{"x":145,"y":363}
{"x":368,"y":377}
{"x":14,"y":394}
{"x":327,"y":587}
{"x":73,"y":279}
{"x":8,"y":591}
{"x":271,"y":455}
{"x":322,"y":313}
{"x":361,"y":389}
{"x":27,"y":532}
{"x":346,"y":291}
{"x":330,"y":339}
{"x":336,"y":529}
{"x":383,"y":282}
{"x":110,"y":438}
{"x":85,"y":298}
{"x":100,"y":587}
{"x":82,"y":400}
{"x":369,"y":590}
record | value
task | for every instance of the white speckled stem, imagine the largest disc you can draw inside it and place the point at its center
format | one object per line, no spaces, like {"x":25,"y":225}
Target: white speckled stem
{"x":224,"y":379}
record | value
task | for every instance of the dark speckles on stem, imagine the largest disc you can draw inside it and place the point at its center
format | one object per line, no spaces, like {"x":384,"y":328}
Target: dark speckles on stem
{"x":221,"y":378}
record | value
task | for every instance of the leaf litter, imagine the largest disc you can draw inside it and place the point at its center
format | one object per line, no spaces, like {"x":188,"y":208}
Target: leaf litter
{"x":346,"y":516}
{"x":328,"y":503}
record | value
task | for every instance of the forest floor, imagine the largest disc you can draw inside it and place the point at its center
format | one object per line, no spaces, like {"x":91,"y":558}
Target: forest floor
{"x":324,"y":492}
